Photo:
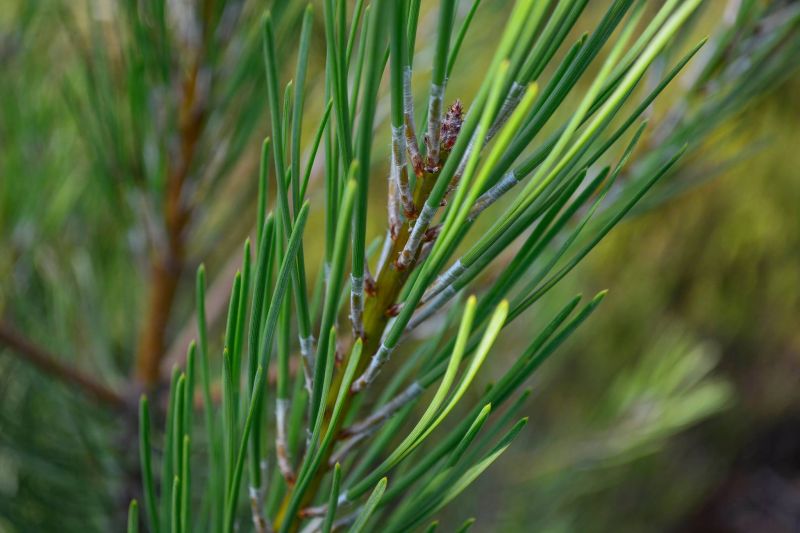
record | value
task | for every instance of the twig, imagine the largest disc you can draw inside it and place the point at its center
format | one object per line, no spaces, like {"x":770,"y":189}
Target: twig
{"x":49,"y":364}
{"x":167,"y":265}
{"x":450,"y":127}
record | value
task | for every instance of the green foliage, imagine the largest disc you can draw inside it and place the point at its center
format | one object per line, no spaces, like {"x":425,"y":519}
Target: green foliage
{"x":168,"y":113}
{"x":482,"y":122}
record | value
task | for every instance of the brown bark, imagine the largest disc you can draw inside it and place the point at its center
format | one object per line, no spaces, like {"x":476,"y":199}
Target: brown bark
{"x":167,"y":266}
{"x":377,"y":311}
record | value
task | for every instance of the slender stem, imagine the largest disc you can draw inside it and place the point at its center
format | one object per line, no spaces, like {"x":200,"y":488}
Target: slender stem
{"x":167,"y":265}
{"x":388,"y":284}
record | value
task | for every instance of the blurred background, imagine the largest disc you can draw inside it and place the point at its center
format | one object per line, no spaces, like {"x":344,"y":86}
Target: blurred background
{"x":675,"y":408}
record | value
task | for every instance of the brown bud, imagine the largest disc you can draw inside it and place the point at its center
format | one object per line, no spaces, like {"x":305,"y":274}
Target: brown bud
{"x":451,"y":125}
{"x":394,"y":309}
{"x":370,"y":286}
{"x":431,"y":233}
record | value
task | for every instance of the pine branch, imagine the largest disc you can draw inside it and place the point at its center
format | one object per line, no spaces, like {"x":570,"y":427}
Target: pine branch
{"x":468,"y":158}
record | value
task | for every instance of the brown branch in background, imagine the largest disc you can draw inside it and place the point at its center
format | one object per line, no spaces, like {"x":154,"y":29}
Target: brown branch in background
{"x":49,"y":364}
{"x":167,"y":265}
{"x":217,"y":297}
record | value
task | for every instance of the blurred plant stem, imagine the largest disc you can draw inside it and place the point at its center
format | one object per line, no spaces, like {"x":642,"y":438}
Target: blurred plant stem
{"x":51,"y":365}
{"x":168,"y":257}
